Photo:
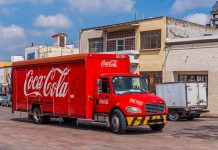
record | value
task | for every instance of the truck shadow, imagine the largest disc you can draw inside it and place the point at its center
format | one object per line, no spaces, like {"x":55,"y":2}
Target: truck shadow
{"x":87,"y":126}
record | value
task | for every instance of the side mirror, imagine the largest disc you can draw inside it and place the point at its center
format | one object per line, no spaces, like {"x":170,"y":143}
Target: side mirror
{"x":99,"y":82}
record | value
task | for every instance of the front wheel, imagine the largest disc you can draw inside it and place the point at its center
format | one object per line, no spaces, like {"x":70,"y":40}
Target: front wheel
{"x":157,"y":127}
{"x":118,"y":122}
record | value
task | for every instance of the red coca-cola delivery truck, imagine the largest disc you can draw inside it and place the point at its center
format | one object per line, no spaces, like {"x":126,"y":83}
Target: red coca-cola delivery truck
{"x":95,"y":87}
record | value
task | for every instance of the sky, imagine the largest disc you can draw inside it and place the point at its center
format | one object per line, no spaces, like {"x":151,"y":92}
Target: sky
{"x":23,"y":22}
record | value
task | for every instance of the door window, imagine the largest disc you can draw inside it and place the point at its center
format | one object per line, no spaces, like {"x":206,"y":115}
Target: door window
{"x":105,"y":88}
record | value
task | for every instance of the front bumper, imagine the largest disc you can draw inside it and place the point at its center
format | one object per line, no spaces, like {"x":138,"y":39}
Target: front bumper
{"x":146,"y":120}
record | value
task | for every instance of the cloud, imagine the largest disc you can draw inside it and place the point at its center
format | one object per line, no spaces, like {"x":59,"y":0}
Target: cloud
{"x":56,"y":21}
{"x":199,"y":18}
{"x":13,"y":40}
{"x":12,"y":32}
{"x":10,"y":2}
{"x":95,"y":6}
{"x":181,"y":6}
{"x":39,"y":33}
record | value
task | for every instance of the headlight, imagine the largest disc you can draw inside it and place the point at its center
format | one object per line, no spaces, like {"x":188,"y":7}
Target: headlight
{"x":133,"y":110}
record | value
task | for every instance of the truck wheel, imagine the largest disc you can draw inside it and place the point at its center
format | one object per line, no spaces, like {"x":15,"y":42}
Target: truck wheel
{"x":173,"y":116}
{"x":157,"y":127}
{"x":190,"y":117}
{"x":38,"y":119}
{"x":118,"y":122}
{"x":69,"y":120}
{"x":198,"y":116}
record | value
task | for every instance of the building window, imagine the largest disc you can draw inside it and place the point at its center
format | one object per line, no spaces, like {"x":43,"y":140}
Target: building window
{"x":121,"y":40}
{"x":152,"y":79}
{"x":120,"y":45}
{"x":130,"y":44}
{"x":150,"y":39}
{"x":96,"y":45}
{"x":193,"y":78}
{"x":121,"y":34}
{"x":30,"y":56}
{"x":111,"y":45}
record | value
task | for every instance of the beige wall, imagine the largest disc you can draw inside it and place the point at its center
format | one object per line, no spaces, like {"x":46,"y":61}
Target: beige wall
{"x":152,"y":60}
{"x":201,"y":58}
{"x":89,"y":34}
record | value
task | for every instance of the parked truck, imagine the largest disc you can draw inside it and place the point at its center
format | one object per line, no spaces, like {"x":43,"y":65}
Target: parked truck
{"x":94,"y":87}
{"x":184,"y":100}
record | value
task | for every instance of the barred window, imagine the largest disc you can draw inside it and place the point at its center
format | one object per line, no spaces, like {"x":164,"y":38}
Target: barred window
{"x":150,"y":39}
{"x":96,"y":45}
{"x":111,"y":45}
{"x":121,"y":34}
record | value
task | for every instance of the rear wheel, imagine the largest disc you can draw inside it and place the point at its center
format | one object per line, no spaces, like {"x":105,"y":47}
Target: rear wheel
{"x":190,"y":117}
{"x":69,"y":120}
{"x":173,"y":116}
{"x":118,"y":122}
{"x":157,"y":127}
{"x":38,"y":118}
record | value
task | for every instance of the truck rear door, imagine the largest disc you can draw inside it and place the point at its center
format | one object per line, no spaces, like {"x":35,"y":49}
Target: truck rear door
{"x":192,"y":94}
{"x":202,"y":88}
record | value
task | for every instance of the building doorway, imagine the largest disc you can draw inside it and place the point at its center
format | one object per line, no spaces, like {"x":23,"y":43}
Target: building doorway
{"x":192,"y":78}
{"x":152,"y":78}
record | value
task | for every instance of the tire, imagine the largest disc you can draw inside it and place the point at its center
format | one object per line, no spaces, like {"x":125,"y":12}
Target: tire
{"x":190,"y":117}
{"x":118,"y":122}
{"x":157,"y":127}
{"x":69,"y":120}
{"x":38,"y":119}
{"x":173,"y":116}
{"x":198,"y":116}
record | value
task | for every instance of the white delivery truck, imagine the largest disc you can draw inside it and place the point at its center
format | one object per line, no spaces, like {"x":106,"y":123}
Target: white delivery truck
{"x":184,"y":100}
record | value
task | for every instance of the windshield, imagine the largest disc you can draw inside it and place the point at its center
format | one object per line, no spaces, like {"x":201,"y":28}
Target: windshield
{"x":127,"y":84}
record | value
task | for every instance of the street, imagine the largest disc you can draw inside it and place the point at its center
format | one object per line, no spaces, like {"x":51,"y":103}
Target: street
{"x":17,"y":133}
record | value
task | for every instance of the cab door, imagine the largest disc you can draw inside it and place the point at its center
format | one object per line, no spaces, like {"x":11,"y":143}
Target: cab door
{"x":102,"y":100}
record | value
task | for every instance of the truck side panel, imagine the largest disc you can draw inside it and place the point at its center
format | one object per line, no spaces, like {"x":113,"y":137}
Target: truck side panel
{"x":58,"y":88}
{"x":19,"y":100}
{"x":77,"y":90}
{"x":173,"y":93}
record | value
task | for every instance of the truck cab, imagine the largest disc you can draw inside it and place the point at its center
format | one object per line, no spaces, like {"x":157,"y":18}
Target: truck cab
{"x":123,"y":100}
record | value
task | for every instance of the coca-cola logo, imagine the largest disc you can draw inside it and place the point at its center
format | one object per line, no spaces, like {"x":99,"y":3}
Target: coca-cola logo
{"x":109,"y":64}
{"x":47,"y":85}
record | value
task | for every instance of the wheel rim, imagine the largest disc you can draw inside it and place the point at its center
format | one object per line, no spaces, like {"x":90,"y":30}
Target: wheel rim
{"x":173,"y":116}
{"x":115,"y":122}
{"x":36,"y":115}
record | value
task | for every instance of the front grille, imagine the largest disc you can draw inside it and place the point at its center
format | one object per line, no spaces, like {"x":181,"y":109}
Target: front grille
{"x":151,"y":108}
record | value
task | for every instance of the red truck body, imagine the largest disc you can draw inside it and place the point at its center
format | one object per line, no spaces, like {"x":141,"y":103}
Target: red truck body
{"x":74,"y":87}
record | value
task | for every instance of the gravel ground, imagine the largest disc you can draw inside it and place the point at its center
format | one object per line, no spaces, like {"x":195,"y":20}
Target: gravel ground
{"x":17,"y":133}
